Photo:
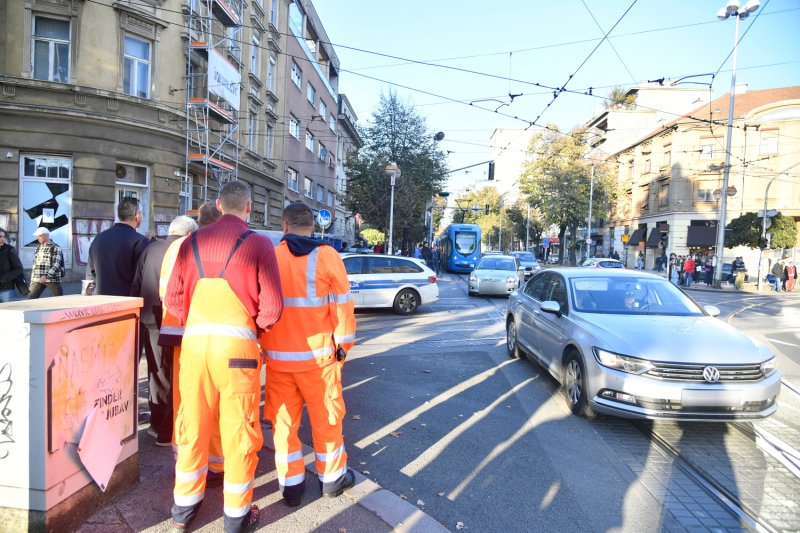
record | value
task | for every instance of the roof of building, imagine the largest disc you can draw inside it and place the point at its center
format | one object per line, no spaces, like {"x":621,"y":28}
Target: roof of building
{"x":717,"y":110}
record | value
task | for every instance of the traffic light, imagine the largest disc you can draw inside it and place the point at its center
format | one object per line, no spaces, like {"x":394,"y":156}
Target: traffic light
{"x":762,"y":243}
{"x":491,"y":170}
{"x":487,"y":209}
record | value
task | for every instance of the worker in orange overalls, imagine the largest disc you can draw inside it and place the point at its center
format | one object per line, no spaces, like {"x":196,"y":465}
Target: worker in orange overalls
{"x":305,"y":352}
{"x":170,"y":337}
{"x":225,"y":288}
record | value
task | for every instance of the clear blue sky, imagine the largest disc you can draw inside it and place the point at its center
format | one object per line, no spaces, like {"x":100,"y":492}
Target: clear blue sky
{"x":543,"y":42}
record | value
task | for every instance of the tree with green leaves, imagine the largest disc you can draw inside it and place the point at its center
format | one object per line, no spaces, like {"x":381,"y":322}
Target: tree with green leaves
{"x":745,"y":230}
{"x":557,"y":179}
{"x":398,"y":134}
{"x":619,"y":98}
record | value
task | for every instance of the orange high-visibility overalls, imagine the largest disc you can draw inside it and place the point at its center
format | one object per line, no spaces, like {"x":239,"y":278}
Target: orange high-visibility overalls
{"x":220,"y":373}
{"x":318,"y":315}
{"x":171,"y":334}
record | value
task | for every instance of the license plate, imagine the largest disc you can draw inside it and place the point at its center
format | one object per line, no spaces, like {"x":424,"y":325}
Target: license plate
{"x":711,"y":398}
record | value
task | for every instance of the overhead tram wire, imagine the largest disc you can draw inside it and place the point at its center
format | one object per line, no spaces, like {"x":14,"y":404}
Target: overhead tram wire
{"x":560,"y":90}
{"x":755,"y":19}
{"x":614,"y":48}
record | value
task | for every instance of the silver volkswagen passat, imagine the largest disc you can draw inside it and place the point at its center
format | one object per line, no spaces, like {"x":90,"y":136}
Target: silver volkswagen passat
{"x":632,"y":344}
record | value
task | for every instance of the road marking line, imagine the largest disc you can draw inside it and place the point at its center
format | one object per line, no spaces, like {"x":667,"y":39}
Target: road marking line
{"x":781,"y":342}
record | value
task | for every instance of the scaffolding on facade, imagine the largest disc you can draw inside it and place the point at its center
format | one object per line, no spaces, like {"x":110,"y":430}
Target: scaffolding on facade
{"x":213,"y":80}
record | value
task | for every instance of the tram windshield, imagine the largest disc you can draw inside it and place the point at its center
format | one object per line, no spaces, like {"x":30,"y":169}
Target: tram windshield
{"x":466,"y":242}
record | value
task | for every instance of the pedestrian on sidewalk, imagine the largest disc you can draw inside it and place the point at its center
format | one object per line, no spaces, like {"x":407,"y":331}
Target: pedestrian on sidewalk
{"x":146,"y":283}
{"x":640,"y":261}
{"x":48,"y":266}
{"x":709,"y":271}
{"x":115,"y":252}
{"x":225,"y":288}
{"x":688,"y":271}
{"x":10,"y":269}
{"x":740,"y":270}
{"x":305,"y":351}
{"x":778,"y":275}
{"x":790,"y":273}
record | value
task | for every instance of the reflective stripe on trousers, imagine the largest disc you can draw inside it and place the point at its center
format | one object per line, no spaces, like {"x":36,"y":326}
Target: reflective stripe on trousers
{"x":219,"y":380}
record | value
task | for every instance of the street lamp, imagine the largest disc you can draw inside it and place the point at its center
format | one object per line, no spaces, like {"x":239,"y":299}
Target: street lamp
{"x":589,"y":232}
{"x":393,"y":171}
{"x":731,"y":8}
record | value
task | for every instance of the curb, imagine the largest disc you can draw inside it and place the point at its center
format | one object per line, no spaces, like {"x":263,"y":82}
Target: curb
{"x":402,"y":516}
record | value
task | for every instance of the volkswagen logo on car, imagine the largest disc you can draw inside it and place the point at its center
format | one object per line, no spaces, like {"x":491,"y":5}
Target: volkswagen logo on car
{"x":711,"y":374}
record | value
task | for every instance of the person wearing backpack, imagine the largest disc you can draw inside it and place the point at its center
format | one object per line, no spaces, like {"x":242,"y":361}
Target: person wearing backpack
{"x":48,"y":266}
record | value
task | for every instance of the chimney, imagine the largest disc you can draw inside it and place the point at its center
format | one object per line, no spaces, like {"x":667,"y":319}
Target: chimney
{"x":740,"y":88}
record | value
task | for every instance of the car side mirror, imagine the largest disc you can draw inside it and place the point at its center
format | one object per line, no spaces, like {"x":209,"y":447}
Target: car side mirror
{"x":551,"y":306}
{"x":529,"y":269}
{"x":712,"y":310}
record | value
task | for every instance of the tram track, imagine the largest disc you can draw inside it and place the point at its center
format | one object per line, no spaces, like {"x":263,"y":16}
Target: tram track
{"x":780,"y":465}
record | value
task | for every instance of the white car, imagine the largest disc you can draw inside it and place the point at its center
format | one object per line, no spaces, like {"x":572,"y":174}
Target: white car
{"x":495,"y":275}
{"x":378,"y":280}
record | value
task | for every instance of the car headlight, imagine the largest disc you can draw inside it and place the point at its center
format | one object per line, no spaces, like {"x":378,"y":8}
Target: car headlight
{"x":768,"y":367}
{"x":473,"y":277}
{"x":511,"y":279}
{"x":631,"y":365}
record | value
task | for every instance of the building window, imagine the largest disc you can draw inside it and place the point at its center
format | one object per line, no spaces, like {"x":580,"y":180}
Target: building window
{"x":630,"y":169}
{"x":708,"y":148}
{"x":136,"y":68}
{"x":185,"y":194}
{"x":332,"y":122}
{"x":647,"y":166}
{"x":311,"y":94}
{"x":255,"y":56}
{"x":273,"y":13}
{"x":234,"y":44}
{"x":266,"y":208}
{"x":269,"y":141}
{"x":667,"y":158}
{"x":307,"y":187}
{"x":51,"y":52}
{"x":271,"y":74}
{"x":331,"y":198}
{"x":310,"y":140}
{"x":294,"y":127}
{"x":320,"y":194}
{"x":252,"y":115}
{"x":291,"y":180}
{"x":297,"y":75}
{"x":768,"y":142}
{"x":705,"y":195}
{"x":663,"y":194}
{"x":323,"y":152}
{"x":323,"y":110}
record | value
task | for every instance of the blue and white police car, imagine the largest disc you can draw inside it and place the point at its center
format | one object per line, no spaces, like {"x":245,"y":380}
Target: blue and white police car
{"x":378,"y":280}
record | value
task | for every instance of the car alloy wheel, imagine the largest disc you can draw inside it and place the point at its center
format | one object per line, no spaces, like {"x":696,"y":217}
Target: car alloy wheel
{"x":406,"y":302}
{"x":511,"y":339}
{"x":575,"y":385}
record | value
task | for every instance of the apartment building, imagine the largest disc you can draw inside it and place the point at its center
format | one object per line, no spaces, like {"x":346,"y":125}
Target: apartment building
{"x":669,"y":181}
{"x":162,"y":100}
{"x":310,"y":111}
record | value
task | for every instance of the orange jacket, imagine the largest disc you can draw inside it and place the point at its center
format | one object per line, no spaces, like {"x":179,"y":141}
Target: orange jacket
{"x":318,"y":313}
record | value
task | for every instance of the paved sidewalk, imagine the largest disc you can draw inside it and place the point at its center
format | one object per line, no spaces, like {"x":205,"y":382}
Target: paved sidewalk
{"x":145,"y":506}
{"x":365,"y":508}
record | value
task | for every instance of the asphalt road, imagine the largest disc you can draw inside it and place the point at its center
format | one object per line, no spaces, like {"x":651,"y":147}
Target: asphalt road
{"x":438,"y":414}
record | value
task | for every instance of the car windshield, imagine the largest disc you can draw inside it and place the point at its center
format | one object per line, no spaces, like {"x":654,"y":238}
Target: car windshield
{"x":466,"y":242}
{"x":496,"y":263}
{"x":630,"y":296}
{"x":526,"y":257}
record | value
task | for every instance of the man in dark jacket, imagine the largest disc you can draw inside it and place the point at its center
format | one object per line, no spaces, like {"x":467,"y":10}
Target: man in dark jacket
{"x":146,"y":284}
{"x":114,"y":253}
{"x":10,"y":268}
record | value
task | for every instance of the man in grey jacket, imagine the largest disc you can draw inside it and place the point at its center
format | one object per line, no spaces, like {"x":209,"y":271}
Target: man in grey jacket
{"x":159,"y":367}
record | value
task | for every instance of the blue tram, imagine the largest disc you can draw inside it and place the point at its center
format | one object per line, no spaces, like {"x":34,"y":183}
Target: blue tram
{"x":460,"y":247}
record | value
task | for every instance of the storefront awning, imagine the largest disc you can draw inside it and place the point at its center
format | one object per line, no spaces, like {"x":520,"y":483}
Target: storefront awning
{"x":654,"y":238}
{"x":701,"y":237}
{"x":636,"y":236}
